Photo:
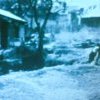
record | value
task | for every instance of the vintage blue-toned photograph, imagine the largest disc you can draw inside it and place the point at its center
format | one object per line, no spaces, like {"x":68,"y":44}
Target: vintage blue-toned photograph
{"x":49,"y":49}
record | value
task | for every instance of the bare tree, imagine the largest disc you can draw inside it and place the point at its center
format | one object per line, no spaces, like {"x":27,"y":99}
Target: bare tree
{"x":41,"y":9}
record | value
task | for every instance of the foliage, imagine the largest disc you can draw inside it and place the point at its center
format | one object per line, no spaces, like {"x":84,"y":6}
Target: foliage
{"x":39,"y":10}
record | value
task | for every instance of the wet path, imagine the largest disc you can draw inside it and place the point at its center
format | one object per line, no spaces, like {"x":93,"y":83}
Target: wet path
{"x":73,"y":50}
{"x":70,"y":79}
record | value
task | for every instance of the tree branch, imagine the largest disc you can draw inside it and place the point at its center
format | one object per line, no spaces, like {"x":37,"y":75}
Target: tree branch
{"x":36,"y":16}
{"x":48,"y":12}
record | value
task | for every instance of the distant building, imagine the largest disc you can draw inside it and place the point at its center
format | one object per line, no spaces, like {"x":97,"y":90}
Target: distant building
{"x":74,"y":18}
{"x":75,"y":14}
{"x":91,"y":18}
{"x":82,"y":6}
{"x":11,"y":28}
{"x":67,"y":17}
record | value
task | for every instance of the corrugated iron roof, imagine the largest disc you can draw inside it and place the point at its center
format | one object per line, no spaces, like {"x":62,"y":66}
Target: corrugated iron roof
{"x":10,"y":15}
{"x":92,"y":13}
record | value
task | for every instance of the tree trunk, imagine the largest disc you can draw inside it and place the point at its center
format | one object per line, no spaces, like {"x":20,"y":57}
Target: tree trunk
{"x":40,"y":48}
{"x":37,"y":14}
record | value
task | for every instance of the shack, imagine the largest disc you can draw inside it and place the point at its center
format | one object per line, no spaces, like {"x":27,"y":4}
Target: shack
{"x":91,"y":18}
{"x":12,"y":28}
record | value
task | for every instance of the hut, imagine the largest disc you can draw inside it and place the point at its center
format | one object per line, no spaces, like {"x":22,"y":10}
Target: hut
{"x":12,"y":27}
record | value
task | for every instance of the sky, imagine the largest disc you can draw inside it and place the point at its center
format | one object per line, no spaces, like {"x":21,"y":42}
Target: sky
{"x":82,"y":3}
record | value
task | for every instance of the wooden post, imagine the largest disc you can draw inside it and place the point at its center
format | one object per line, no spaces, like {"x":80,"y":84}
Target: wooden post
{"x":22,"y":33}
{"x":4,"y":34}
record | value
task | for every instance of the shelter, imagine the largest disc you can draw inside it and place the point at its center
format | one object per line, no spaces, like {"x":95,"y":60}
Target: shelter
{"x":11,"y":27}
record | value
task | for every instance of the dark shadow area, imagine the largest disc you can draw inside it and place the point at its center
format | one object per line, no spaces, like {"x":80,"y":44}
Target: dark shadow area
{"x":21,"y":58}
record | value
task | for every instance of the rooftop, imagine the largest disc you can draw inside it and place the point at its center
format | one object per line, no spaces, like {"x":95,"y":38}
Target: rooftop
{"x":92,"y":13}
{"x":10,"y":15}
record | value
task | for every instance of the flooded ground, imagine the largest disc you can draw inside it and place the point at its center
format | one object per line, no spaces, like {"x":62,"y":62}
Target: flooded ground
{"x":68,"y":76}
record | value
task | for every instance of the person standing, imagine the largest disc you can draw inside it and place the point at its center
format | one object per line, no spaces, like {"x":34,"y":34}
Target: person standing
{"x":94,"y":56}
